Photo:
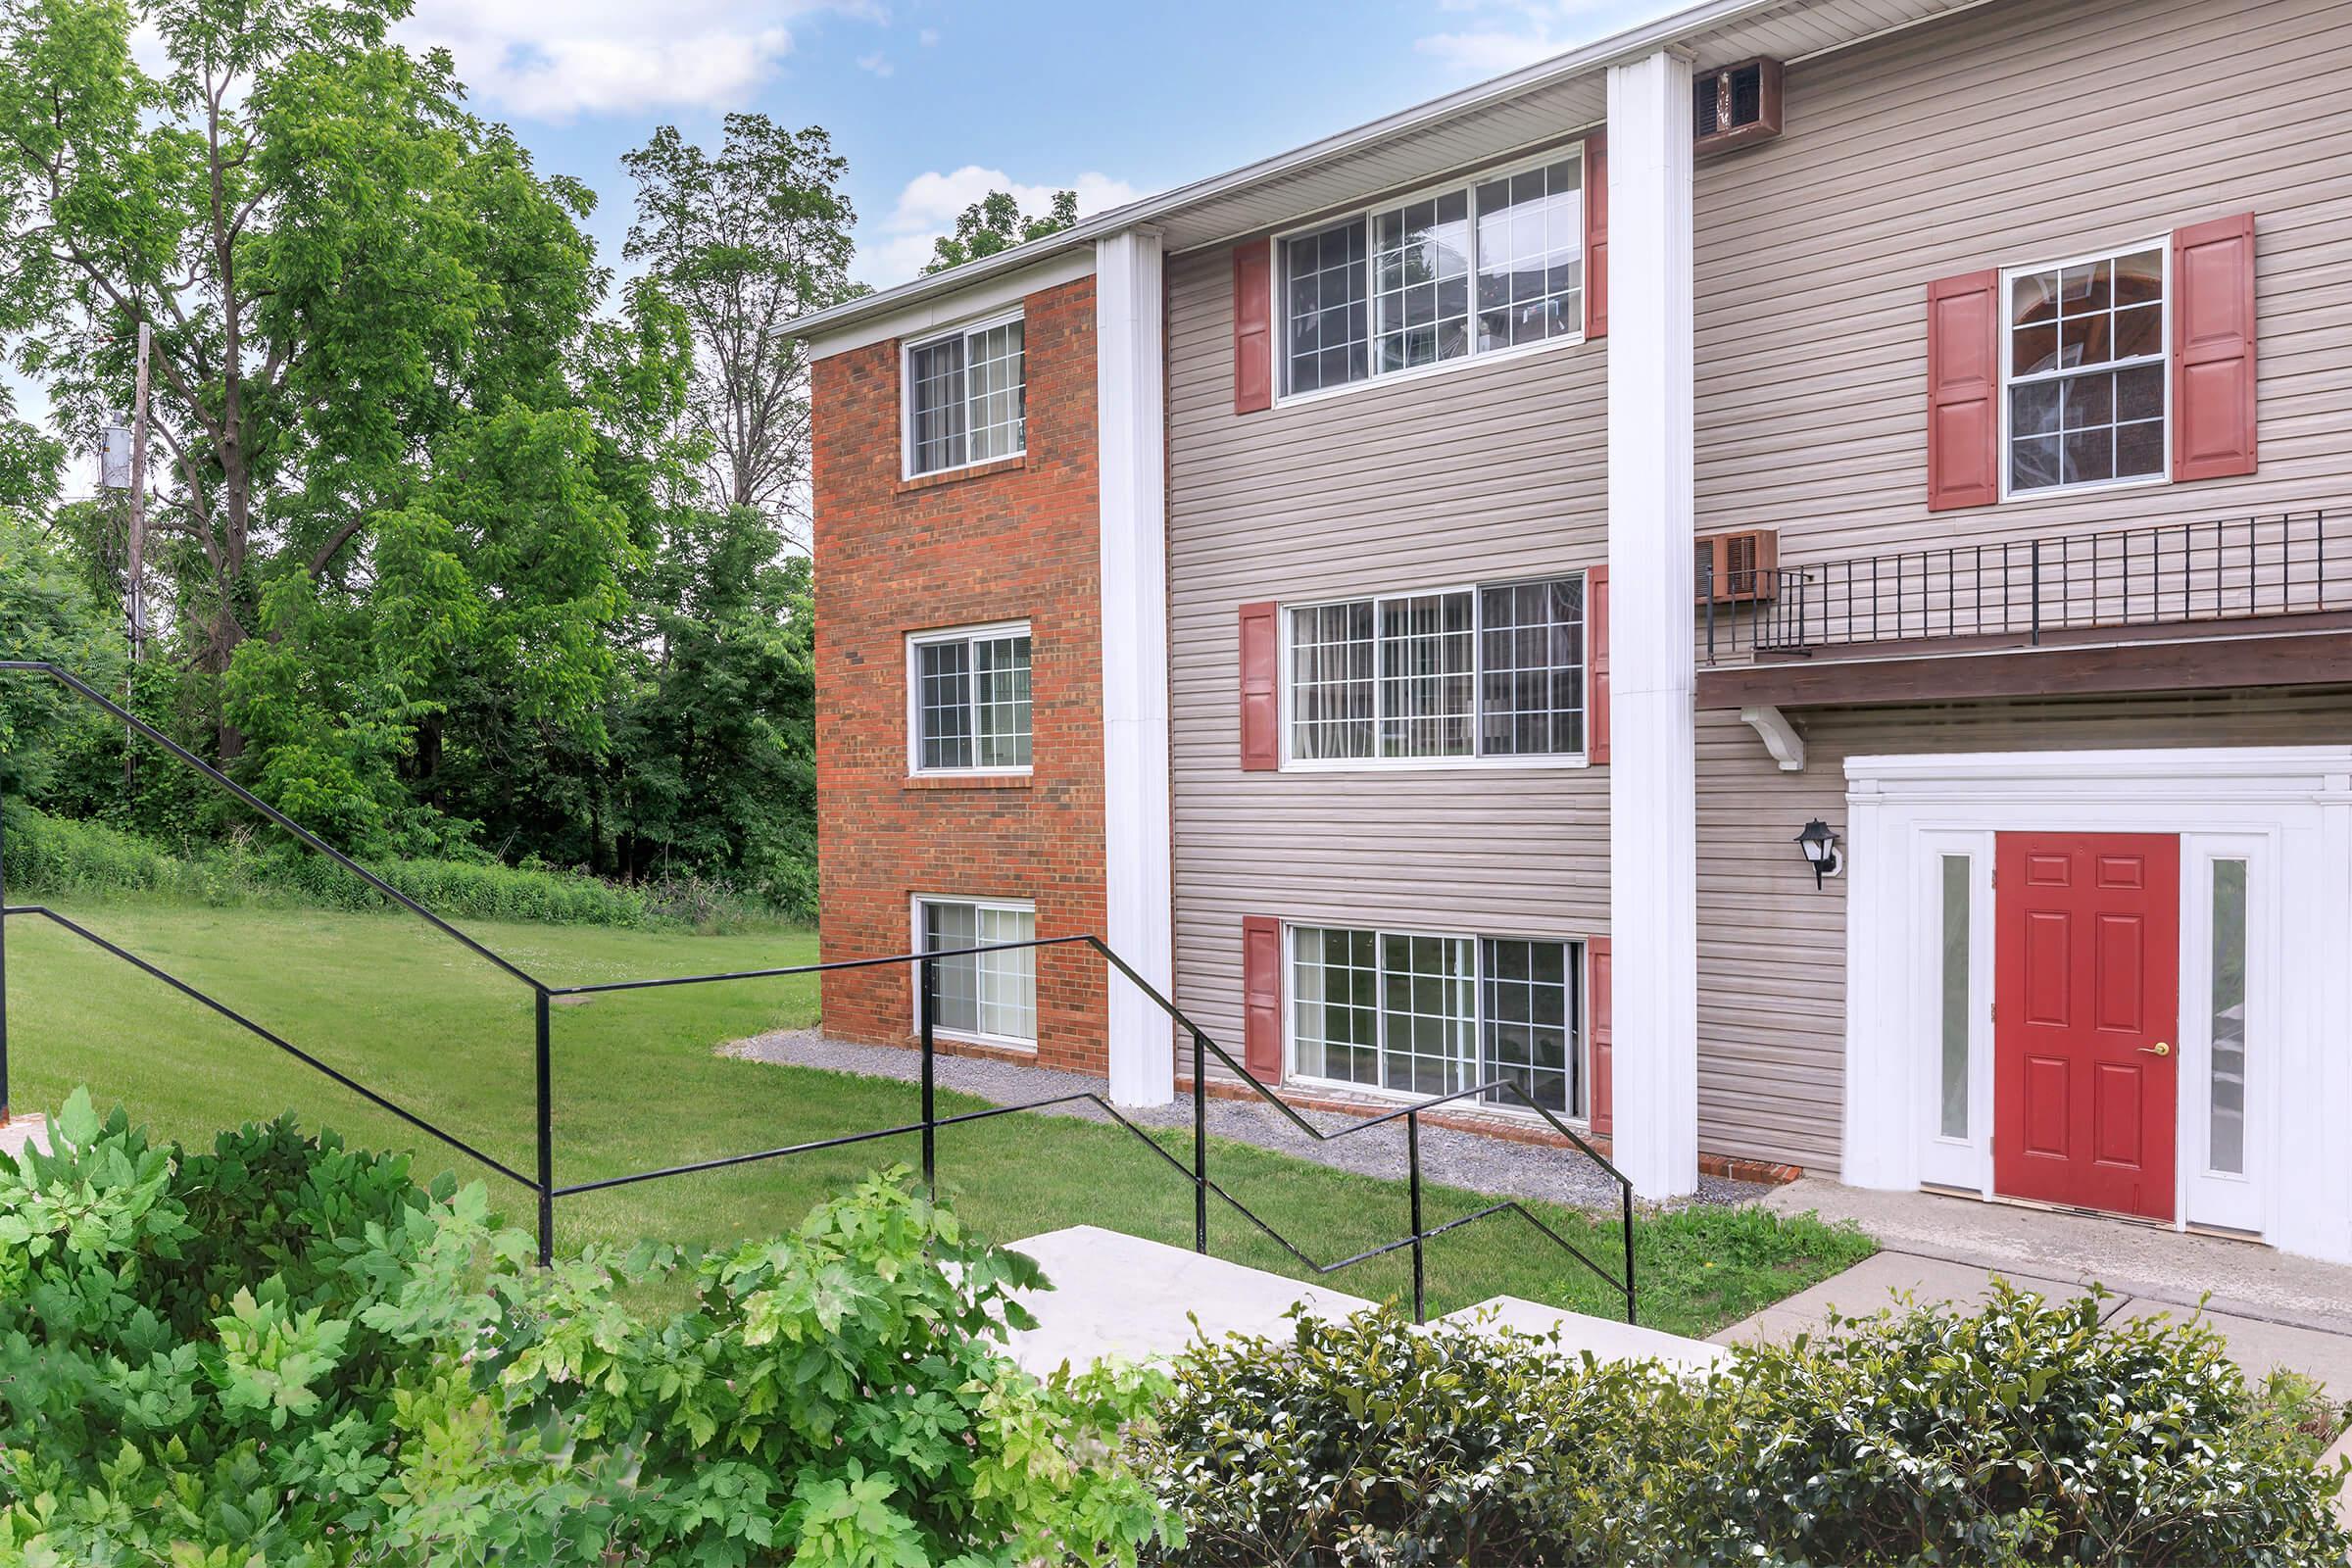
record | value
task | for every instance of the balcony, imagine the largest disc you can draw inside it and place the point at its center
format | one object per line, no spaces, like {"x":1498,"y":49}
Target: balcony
{"x":2261,"y":601}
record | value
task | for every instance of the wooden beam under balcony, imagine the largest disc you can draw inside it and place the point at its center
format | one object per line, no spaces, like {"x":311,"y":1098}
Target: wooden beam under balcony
{"x":2298,"y":652}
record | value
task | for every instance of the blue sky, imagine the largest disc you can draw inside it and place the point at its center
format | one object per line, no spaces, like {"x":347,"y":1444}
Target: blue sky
{"x":934,"y":102}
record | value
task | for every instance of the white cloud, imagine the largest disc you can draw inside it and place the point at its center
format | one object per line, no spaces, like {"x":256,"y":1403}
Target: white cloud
{"x":929,"y":205}
{"x":878,"y":63}
{"x":927,"y":38}
{"x":528,"y":59}
{"x":1505,"y":35}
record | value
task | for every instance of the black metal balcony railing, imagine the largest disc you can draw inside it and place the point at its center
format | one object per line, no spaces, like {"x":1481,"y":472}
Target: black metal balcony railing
{"x":2026,"y":591}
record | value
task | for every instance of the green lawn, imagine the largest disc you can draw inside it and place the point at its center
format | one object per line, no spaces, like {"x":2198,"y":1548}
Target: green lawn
{"x":637,"y":1086}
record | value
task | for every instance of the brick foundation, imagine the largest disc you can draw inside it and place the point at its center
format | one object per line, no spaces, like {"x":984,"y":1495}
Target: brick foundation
{"x":1012,"y":540}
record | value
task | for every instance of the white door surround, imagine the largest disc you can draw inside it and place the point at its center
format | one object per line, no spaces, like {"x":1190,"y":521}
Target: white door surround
{"x":2285,"y":811}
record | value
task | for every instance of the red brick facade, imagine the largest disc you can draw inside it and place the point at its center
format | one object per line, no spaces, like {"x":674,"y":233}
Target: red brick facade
{"x":1015,"y":540}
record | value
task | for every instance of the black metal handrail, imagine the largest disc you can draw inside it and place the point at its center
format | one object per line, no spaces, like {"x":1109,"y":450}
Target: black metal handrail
{"x":2023,"y":591}
{"x":542,"y":1183}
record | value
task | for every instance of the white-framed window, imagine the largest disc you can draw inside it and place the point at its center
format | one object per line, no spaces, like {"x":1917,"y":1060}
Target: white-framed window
{"x":989,"y":996}
{"x":1494,"y":672}
{"x":1475,"y":267}
{"x":967,"y":699}
{"x":1426,"y":1014}
{"x":2086,"y":377}
{"x":966,"y":397}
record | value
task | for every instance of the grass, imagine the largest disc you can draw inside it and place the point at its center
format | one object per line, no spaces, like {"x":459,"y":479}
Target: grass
{"x":637,"y":1085}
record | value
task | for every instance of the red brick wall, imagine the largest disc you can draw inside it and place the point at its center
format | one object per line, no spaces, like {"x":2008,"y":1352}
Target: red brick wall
{"x":1010,"y":541}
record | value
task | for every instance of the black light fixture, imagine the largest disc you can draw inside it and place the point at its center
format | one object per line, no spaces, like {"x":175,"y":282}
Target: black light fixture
{"x":1821,"y":848}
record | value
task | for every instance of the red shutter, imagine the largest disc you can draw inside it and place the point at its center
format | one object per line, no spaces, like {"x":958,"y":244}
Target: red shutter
{"x":1261,"y":997}
{"x":1261,"y":700}
{"x":1964,"y":380}
{"x":1597,"y":664}
{"x":1252,"y":327}
{"x":1597,"y":1030}
{"x":2213,"y":349}
{"x":1596,"y":235}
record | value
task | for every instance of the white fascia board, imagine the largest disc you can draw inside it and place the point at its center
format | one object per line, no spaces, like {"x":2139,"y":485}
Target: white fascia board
{"x":934,"y":311}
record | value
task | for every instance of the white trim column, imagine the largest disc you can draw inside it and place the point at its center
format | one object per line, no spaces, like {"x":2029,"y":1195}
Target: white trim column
{"x":1653,"y":822}
{"x":1132,"y":472}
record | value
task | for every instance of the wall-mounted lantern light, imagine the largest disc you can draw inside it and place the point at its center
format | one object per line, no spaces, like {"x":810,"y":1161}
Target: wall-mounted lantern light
{"x":1821,"y":852}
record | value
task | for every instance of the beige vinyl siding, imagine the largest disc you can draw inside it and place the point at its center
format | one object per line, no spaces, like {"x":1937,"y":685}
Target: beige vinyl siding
{"x":1476,"y":472}
{"x":2011,"y":135}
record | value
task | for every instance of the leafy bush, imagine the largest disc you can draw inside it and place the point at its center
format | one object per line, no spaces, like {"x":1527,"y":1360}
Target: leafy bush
{"x":287,"y":1353}
{"x":2026,"y":1433}
{"x":62,"y":857}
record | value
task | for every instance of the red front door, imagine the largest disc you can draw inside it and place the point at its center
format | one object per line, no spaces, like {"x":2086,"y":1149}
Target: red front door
{"x":2087,"y":1000}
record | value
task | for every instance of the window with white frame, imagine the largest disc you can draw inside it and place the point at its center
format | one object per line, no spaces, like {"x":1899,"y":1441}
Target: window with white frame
{"x":966,"y":398}
{"x":1490,"y":671}
{"x":1495,"y":263}
{"x":1433,"y":1014}
{"x":969,"y":707}
{"x":2086,"y":372}
{"x":985,"y":995}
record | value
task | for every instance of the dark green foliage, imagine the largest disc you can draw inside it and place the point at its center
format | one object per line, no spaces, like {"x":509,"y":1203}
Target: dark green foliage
{"x":286,"y":1353}
{"x":2024,"y":1432}
{"x":996,"y":222}
{"x":65,"y":860}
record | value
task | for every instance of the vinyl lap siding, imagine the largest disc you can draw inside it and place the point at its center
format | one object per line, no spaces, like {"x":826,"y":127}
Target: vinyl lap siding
{"x":1481,"y":472}
{"x":2011,"y":135}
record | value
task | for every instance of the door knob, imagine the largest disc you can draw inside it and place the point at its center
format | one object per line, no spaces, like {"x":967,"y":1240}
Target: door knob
{"x":2160,"y":1049}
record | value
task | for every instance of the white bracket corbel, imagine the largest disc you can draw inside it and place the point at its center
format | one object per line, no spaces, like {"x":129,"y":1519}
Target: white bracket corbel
{"x":1772,"y":727}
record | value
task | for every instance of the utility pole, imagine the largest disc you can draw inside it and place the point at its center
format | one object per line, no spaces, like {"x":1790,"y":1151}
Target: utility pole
{"x":138,"y":506}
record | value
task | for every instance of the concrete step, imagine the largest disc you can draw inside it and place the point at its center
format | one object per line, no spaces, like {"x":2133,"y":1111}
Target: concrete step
{"x":1119,"y":1295}
{"x":19,"y":1131}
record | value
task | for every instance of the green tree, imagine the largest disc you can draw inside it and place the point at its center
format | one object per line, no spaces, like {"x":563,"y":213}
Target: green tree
{"x":745,"y":241}
{"x":337,"y":262}
{"x":46,"y":612}
{"x":996,"y":222}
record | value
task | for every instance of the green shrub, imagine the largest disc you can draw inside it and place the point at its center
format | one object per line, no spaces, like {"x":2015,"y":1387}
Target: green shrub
{"x":284,"y":1353}
{"x":2024,"y":1432}
{"x":62,"y":857}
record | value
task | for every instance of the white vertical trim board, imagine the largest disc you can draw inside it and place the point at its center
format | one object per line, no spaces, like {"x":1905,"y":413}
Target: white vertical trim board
{"x":1130,"y":351}
{"x":2285,"y":811}
{"x":1653,"y":822}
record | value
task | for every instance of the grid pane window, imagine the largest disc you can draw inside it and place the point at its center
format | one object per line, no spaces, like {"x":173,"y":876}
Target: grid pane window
{"x":987,"y":993}
{"x":996,"y":396}
{"x":1531,"y":668}
{"x":1432,"y":1014}
{"x":966,"y":399}
{"x":1428,"y":653}
{"x":1001,"y":700}
{"x":1494,"y":671}
{"x":1531,"y":256}
{"x":1952,"y":1104}
{"x":1324,"y":308}
{"x":1332,"y":695}
{"x":1421,"y":281}
{"x":1336,"y":1019}
{"x":971,"y":703}
{"x":1528,"y":1024}
{"x":2087,"y":368}
{"x":1494,"y":264}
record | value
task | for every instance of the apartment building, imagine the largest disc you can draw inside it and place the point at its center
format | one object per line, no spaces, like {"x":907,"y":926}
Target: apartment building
{"x":1778,"y":580}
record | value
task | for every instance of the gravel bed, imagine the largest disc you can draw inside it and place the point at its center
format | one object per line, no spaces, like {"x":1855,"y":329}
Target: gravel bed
{"x":1492,"y":1165}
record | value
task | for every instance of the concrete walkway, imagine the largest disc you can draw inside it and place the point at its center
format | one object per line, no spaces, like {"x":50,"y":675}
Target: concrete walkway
{"x":1119,"y":1295}
{"x":2154,"y":1266}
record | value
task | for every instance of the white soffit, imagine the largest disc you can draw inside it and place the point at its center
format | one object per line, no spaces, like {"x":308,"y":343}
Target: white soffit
{"x":1543,"y":103}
